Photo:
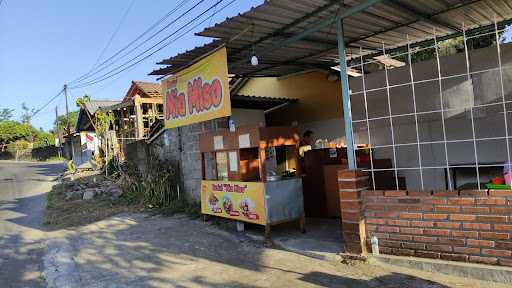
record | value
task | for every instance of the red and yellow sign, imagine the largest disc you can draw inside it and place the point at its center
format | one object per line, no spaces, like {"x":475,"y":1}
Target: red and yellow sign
{"x":242,"y":201}
{"x":199,"y":92}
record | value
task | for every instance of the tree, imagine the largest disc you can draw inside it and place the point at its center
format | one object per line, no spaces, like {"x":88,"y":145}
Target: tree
{"x":62,"y":121}
{"x":6,"y":114}
{"x":80,"y":102}
{"x":27,"y":114}
{"x":43,"y":139}
{"x":103,"y":122}
{"x":11,"y":131}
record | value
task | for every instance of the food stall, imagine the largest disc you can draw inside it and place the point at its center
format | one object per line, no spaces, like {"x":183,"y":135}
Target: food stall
{"x":251,"y":174}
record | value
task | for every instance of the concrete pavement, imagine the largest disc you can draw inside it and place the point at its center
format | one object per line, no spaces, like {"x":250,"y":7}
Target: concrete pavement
{"x":23,"y":188}
{"x":136,"y":250}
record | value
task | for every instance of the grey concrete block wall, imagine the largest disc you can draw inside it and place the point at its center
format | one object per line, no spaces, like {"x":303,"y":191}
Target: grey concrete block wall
{"x":180,"y":147}
{"x":137,"y":153}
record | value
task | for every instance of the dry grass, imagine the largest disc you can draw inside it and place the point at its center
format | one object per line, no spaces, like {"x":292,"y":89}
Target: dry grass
{"x":61,"y":214}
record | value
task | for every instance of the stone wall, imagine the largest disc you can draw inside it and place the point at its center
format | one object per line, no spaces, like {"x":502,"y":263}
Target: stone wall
{"x":137,"y":153}
{"x":180,"y":147}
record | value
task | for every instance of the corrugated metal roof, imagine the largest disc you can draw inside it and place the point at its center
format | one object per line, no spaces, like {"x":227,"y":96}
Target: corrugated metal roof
{"x":94,"y":105}
{"x":389,"y":22}
{"x":258,"y":102}
{"x":118,"y":106}
{"x":83,"y":122}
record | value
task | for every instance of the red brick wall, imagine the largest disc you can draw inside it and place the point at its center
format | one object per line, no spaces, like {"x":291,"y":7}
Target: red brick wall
{"x":351,"y":183}
{"x":473,"y":226}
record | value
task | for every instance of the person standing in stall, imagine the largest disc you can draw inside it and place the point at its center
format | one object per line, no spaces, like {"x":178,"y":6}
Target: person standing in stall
{"x":304,"y":146}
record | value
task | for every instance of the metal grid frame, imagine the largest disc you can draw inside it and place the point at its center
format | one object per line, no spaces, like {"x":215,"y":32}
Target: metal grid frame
{"x":412,"y":83}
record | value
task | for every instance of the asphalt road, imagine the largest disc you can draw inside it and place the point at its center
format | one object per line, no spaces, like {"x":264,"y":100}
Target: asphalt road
{"x":23,"y":189}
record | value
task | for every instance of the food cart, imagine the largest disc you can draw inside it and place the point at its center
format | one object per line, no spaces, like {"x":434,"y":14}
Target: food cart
{"x":252,"y":174}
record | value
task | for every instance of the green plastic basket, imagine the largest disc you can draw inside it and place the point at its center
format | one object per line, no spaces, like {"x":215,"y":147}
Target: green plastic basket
{"x":497,"y":186}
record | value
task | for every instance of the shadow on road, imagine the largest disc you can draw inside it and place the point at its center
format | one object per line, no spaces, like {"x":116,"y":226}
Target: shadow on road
{"x":161,"y":252}
{"x":28,"y":211}
{"x":48,"y":169}
{"x":18,"y":258}
{"x":391,"y":280}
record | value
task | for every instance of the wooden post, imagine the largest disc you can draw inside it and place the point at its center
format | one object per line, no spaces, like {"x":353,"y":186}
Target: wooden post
{"x":139,"y":124}
{"x":203,"y":168}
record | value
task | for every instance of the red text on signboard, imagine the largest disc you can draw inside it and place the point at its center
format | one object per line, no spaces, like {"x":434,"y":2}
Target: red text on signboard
{"x":199,"y":97}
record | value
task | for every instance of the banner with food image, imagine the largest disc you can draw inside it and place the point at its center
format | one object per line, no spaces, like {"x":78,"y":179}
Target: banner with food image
{"x":199,"y":92}
{"x":242,"y":201}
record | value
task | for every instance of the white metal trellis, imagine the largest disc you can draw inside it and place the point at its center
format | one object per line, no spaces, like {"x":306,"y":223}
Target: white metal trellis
{"x":444,"y":109}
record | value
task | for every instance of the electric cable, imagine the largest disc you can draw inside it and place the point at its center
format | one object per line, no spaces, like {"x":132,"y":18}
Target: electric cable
{"x":107,"y":76}
{"x":170,"y":13}
{"x":47,"y":103}
{"x":113,"y":34}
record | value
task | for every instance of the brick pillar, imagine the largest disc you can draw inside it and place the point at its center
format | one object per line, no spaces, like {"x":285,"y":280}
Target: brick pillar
{"x":350,"y":185}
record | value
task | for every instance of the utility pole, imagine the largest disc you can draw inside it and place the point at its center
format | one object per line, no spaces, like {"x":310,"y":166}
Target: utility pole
{"x":67,"y":107}
{"x":57,"y":130}
{"x":68,"y":122}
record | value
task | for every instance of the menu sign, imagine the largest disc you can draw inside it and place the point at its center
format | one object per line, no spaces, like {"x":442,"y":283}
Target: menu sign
{"x":242,"y":201}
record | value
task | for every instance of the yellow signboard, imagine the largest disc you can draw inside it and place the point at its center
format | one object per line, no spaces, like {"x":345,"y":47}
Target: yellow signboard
{"x":242,"y":201}
{"x":199,"y":92}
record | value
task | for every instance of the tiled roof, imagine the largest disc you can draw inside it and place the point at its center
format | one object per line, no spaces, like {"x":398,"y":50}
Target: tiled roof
{"x":150,"y":88}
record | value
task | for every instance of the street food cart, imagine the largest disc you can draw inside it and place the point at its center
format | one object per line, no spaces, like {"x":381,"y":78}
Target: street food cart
{"x":251,"y":174}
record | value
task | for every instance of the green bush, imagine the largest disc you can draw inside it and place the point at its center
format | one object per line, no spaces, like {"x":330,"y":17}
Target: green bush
{"x":157,"y":188}
{"x":71,"y":166}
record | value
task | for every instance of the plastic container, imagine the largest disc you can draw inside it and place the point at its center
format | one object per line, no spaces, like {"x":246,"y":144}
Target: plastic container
{"x":375,"y":245}
{"x":508,"y":178}
{"x":507,"y":173}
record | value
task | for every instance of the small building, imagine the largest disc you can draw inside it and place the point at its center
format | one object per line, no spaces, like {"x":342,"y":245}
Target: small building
{"x":141,"y":107}
{"x":85,"y":142}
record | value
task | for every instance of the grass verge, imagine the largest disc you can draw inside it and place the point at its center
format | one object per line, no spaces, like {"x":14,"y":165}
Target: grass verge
{"x":192,"y":210}
{"x":61,"y":214}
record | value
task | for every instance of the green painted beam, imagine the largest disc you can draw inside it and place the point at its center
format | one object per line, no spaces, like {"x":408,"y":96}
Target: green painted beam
{"x":326,"y":22}
{"x":315,"y":27}
{"x":345,"y":95}
{"x":281,"y":30}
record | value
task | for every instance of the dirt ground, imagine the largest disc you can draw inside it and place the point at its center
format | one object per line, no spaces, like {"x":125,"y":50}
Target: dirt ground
{"x":137,"y":250}
{"x":65,"y":213}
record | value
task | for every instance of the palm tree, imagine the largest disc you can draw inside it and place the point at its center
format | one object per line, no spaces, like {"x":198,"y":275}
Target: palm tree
{"x":80,"y":102}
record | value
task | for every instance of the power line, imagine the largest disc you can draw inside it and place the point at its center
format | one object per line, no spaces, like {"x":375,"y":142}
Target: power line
{"x":107,"y":76}
{"x":124,"y":48}
{"x":100,"y":79}
{"x":47,"y":103}
{"x":144,"y":42}
{"x":113,"y":35}
{"x":170,"y":13}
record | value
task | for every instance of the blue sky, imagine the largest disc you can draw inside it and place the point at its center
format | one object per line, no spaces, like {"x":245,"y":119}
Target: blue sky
{"x":45,"y":43}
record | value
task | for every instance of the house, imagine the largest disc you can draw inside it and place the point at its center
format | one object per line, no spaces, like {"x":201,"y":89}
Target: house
{"x":84,"y":141}
{"x":141,"y":107}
